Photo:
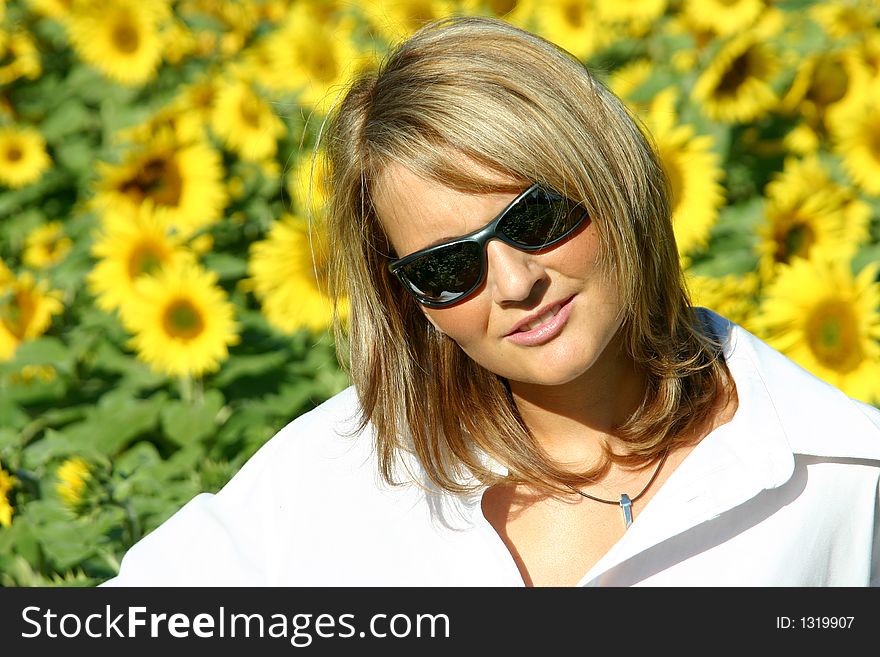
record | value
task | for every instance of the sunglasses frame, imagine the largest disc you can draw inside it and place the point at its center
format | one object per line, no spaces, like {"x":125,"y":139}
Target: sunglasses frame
{"x":481,"y":237}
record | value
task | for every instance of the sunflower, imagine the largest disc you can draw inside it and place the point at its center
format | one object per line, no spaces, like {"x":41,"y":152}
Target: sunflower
{"x":735,"y":87}
{"x":309,"y":186}
{"x":635,"y":17}
{"x":58,"y":9}
{"x":181,"y":320}
{"x":517,"y":12}
{"x":46,"y":245}
{"x":73,"y":475}
{"x":693,"y":170}
{"x":245,"y":121}
{"x":182,"y":180}
{"x":312,"y":58}
{"x":574,"y":25}
{"x":805,"y":210}
{"x":19,"y":57}
{"x":723,"y":16}
{"x":855,"y":131}
{"x":26,"y":309}
{"x":397,"y":19}
{"x":821,"y":316}
{"x":733,"y":296}
{"x":118,"y":37}
{"x":850,"y":17}
{"x":7,"y":482}
{"x":824,"y":83}
{"x":628,"y":81}
{"x":289,"y":276}
{"x":129,"y":246}
{"x":23,"y":156}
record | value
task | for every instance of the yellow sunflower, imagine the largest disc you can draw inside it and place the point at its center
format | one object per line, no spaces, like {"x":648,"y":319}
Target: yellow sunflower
{"x":46,"y":245}
{"x":723,"y":16}
{"x":118,"y":37}
{"x":130,"y":245}
{"x":309,"y":186}
{"x":182,"y":180}
{"x":574,"y":25}
{"x":843,"y":18}
{"x":855,"y":131}
{"x":821,"y":316}
{"x":182,"y":321}
{"x":635,"y":17}
{"x":732,"y":296}
{"x":73,"y":475}
{"x":313,"y":58}
{"x":694,"y":172}
{"x":806,"y":210}
{"x":244,"y":120}
{"x":394,"y":20}
{"x":26,"y":310}
{"x":58,"y":9}
{"x":824,"y":83}
{"x":7,"y":482}
{"x":19,"y":57}
{"x":288,"y":273}
{"x":627,"y":82}
{"x":517,"y":12}
{"x":23,"y":156}
{"x":736,"y":86}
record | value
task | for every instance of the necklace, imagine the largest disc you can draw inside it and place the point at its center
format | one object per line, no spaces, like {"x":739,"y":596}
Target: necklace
{"x":625,"y":501}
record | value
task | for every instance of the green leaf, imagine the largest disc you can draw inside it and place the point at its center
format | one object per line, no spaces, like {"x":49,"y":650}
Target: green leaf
{"x":255,"y":365}
{"x":185,"y":423}
{"x":68,"y":118}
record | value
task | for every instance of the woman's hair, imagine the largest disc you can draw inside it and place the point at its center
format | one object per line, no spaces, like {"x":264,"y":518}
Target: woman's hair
{"x":482,"y":90}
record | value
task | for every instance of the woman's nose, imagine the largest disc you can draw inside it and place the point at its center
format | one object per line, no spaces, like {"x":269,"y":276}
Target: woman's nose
{"x":513,"y":275}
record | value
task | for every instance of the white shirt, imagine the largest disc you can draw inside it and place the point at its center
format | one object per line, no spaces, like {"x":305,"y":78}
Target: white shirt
{"x":785,"y":494}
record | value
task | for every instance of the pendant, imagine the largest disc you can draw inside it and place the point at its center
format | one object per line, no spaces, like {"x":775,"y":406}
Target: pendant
{"x":626,"y":507}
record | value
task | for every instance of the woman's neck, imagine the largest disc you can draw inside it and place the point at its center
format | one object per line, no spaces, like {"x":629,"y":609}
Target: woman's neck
{"x":576,"y":421}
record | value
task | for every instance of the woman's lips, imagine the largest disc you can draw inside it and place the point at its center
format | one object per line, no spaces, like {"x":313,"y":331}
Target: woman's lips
{"x":545,"y":327}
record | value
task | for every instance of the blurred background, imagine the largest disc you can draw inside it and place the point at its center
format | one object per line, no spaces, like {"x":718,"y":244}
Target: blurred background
{"x":162,"y":308}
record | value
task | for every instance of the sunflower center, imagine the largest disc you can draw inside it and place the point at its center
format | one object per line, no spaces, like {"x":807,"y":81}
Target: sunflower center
{"x":250,"y":110}
{"x":501,"y":7}
{"x":321,"y":64}
{"x":832,"y":333}
{"x":829,"y":83}
{"x":144,"y":259}
{"x":14,"y":154}
{"x":574,"y":14}
{"x":183,"y":320}
{"x":736,"y":74}
{"x":159,"y":179}
{"x":125,"y":37}
{"x":795,"y":240}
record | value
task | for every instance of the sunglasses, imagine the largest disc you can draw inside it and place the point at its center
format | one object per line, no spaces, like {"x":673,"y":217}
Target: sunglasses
{"x":447,"y":273}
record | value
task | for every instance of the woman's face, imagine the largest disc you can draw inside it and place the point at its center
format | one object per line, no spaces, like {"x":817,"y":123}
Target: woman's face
{"x":539,"y":318}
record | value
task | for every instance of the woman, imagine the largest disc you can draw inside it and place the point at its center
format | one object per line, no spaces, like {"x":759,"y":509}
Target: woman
{"x":534,"y":400}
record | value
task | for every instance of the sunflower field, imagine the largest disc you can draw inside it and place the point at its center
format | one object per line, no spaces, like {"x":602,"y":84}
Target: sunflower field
{"x":162,"y":297}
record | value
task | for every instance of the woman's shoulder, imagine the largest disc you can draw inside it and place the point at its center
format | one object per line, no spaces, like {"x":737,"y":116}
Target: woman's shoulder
{"x":817,"y":418}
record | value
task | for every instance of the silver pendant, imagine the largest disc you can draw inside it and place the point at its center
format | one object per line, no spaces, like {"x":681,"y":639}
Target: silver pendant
{"x":626,"y":506}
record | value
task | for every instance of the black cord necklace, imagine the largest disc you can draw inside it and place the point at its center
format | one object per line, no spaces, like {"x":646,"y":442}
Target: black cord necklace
{"x":625,"y":501}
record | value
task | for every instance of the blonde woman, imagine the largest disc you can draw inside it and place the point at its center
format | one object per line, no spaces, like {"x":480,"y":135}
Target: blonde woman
{"x":534,"y":400}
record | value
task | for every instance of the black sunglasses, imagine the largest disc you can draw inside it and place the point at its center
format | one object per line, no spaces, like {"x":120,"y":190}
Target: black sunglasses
{"x":447,"y":273}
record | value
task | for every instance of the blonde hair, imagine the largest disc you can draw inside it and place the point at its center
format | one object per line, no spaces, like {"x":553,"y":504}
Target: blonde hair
{"x":520,"y":106}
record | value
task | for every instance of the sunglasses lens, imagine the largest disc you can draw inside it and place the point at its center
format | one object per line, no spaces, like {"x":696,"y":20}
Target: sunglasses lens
{"x":443,"y":275}
{"x":539,"y":219}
